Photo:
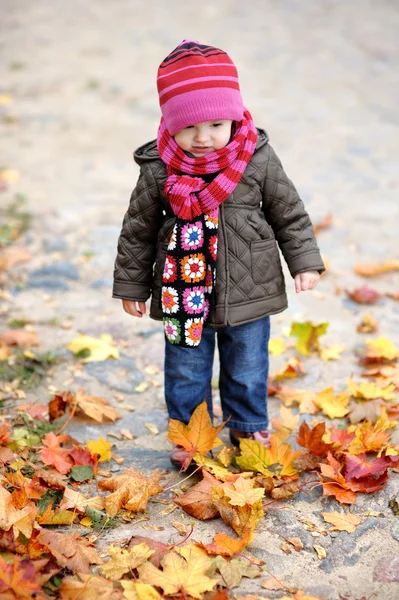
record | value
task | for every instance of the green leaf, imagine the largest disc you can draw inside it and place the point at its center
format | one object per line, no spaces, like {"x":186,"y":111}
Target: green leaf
{"x":308,"y":336}
{"x":82,"y":473}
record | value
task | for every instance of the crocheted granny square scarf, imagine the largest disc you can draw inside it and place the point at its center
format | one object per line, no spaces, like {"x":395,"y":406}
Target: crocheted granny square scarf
{"x":189,"y":273}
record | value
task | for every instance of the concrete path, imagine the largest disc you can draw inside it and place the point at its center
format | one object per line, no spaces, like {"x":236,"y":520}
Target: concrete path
{"x":322,"y":79}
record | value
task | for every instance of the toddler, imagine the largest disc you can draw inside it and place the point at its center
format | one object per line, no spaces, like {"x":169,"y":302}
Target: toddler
{"x":200,"y":237}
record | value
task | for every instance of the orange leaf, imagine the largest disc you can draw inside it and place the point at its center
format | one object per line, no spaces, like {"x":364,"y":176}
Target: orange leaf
{"x":4,"y":434}
{"x":325,"y":223}
{"x":20,"y":337}
{"x":70,"y":550}
{"x":372,"y":269}
{"x":18,"y":579}
{"x":224,"y":545}
{"x":311,"y":439}
{"x":54,"y":454}
{"x":131,"y":490}
{"x":364,"y":295}
{"x":198,"y":436}
{"x":293,"y":368}
{"x":334,"y":483}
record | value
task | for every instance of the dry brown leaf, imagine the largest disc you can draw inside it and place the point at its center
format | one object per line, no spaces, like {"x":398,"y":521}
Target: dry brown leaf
{"x":296,"y":542}
{"x":152,"y":428}
{"x":342,"y":521}
{"x":180,"y":527}
{"x":126,"y":434}
{"x":131,"y":490}
{"x":20,"y":337}
{"x":373,"y":269}
{"x":197,"y":502}
{"x":320,"y":551}
{"x":368,"y":324}
{"x":70,"y":550}
{"x":88,"y":587}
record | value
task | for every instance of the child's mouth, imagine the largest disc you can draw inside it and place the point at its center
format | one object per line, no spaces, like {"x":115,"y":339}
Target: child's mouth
{"x":201,"y":149}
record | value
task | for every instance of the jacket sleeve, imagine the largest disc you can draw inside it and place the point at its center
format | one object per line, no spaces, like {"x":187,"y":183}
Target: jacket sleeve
{"x":285,"y":212}
{"x":137,"y":244}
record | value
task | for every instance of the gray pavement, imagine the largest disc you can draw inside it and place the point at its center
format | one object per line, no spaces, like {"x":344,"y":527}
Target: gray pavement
{"x":322,"y":79}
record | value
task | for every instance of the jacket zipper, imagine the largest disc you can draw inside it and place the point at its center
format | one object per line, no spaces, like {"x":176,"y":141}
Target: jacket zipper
{"x":226,"y":250}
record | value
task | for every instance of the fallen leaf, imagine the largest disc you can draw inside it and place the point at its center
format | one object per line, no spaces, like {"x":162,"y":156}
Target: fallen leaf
{"x":296,"y":542}
{"x":392,"y":295}
{"x":142,"y":387}
{"x":331,"y":352}
{"x":88,"y":587}
{"x":20,"y":337}
{"x":243,"y":492}
{"x":13,"y":255}
{"x":342,"y":521}
{"x":334,"y":483}
{"x":180,"y":528}
{"x":56,"y":517}
{"x":225,"y":456}
{"x":79,"y":502}
{"x":286,"y":424}
{"x":320,"y":551}
{"x":135,"y":590}
{"x":373,"y":269}
{"x":124,"y":561}
{"x":370,"y":391}
{"x":276,"y":461}
{"x":273,"y":584}
{"x":100,"y":448}
{"x":83,"y":457}
{"x":94,"y":407}
{"x":99,"y":349}
{"x":293,"y":368}
{"x":159,"y":548}
{"x":368,"y":324}
{"x":325,"y":223}
{"x":152,"y":428}
{"x":334,"y":406}
{"x":187,"y":576}
{"x":213,"y":467}
{"x":380,"y":350}
{"x":277,"y":346}
{"x":308,"y":336}
{"x":131,"y":490}
{"x":198,"y":436}
{"x":233,"y":570}
{"x":70,"y":550}
{"x":126,"y":434}
{"x":54,"y":454}
{"x":241,"y":518}
{"x":286,"y":490}
{"x":224,"y":545}
{"x":18,"y":579}
{"x":197,"y":501}
{"x":364,"y":295}
{"x":311,"y":439}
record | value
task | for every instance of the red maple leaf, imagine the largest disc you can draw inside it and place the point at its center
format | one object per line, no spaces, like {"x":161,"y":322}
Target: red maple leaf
{"x":358,"y":466}
{"x":83,"y":456}
{"x":311,"y":439}
{"x":342,"y":437}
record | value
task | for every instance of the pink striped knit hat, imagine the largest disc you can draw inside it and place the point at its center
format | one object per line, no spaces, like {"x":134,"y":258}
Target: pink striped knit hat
{"x":198,"y":83}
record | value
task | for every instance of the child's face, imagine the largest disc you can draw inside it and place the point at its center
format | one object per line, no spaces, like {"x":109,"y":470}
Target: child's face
{"x":204,"y":138}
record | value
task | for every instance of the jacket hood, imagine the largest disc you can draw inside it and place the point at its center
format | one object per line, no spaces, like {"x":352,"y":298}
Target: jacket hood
{"x":149,"y":151}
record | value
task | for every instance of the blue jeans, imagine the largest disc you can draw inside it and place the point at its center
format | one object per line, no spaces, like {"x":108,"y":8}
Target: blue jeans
{"x":244,"y":366}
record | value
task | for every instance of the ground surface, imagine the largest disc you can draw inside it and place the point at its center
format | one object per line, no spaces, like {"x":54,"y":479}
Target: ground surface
{"x":320,"y":77}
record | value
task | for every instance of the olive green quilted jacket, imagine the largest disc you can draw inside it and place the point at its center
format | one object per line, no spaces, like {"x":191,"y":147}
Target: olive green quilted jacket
{"x":264,"y":210}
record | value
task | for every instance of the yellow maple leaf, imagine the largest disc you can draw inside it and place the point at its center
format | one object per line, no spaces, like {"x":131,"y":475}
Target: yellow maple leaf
{"x":243,"y":492}
{"x":131,"y":490}
{"x":100,"y":447}
{"x":308,"y":336}
{"x":342,"y":521}
{"x":212,"y":466}
{"x":331,"y":352}
{"x":381,"y":348}
{"x":180,"y":574}
{"x":198,"y":436}
{"x":276,"y":461}
{"x":241,"y":518}
{"x":123,"y":561}
{"x":225,"y":456}
{"x":334,"y":406}
{"x":277,"y":346}
{"x":368,"y":438}
{"x":100,"y":348}
{"x":135,"y":590}
{"x":371,"y":391}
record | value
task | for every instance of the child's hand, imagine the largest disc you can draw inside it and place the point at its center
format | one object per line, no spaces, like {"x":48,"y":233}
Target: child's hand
{"x":306,"y":281}
{"x":136,"y":309}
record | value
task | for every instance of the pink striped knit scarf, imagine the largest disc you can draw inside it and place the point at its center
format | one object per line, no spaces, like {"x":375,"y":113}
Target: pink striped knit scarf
{"x":190,"y":264}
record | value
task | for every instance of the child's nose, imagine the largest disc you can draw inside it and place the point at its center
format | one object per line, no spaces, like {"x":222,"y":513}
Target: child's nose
{"x":201,"y":136}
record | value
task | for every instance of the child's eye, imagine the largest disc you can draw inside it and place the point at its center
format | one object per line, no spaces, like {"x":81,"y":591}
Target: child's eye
{"x":190,"y":127}
{"x":216,"y":124}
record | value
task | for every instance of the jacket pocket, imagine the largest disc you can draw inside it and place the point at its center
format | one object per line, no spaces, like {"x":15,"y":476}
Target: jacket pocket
{"x":266,"y":265}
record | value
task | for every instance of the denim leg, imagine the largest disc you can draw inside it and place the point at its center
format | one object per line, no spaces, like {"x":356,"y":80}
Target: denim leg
{"x":244,"y":366}
{"x":188,"y":376}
